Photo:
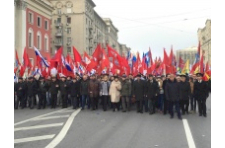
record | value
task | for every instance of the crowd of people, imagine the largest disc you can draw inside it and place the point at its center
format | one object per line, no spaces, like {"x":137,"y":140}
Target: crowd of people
{"x":151,"y":94}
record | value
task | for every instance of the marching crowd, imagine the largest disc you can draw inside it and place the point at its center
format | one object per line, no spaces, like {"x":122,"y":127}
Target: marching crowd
{"x":150,"y":93}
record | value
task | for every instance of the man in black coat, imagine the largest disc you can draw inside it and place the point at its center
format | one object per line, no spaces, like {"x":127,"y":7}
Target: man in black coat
{"x":166,"y":103}
{"x":79,"y":98}
{"x":151,"y":90}
{"x":84,"y":92}
{"x":31,"y":91}
{"x":200,"y":93}
{"x":172,"y":91}
{"x":69,"y":82}
{"x":19,"y":92}
{"x":185,"y":94}
{"x":63,"y":89}
{"x":54,"y":87}
{"x":138,"y":93}
{"x":74,"y":90}
{"x":42,"y":93}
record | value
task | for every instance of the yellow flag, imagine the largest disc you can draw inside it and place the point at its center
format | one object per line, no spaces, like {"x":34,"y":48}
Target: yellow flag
{"x":186,"y":68}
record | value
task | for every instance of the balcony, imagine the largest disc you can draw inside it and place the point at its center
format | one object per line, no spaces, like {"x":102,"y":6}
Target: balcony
{"x":58,"y":24}
{"x":58,"y":34}
{"x":90,"y":28}
{"x":57,"y":44}
{"x":90,"y":36}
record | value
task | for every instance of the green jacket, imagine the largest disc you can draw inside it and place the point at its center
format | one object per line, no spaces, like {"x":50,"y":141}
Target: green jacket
{"x":126,"y":88}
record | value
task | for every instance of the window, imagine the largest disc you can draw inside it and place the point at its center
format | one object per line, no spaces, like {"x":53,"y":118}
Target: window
{"x":39,"y":21}
{"x":30,"y":38}
{"x":46,"y":25}
{"x":39,"y":40}
{"x":59,"y":20}
{"x":69,"y":40}
{"x":30,"y":18}
{"x":46,"y":43}
{"x":69,"y":20}
{"x":59,"y":11}
{"x":69,"y":10}
{"x":68,"y":30}
{"x":68,"y":49}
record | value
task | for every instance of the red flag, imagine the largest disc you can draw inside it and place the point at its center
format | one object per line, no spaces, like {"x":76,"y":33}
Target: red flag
{"x":58,"y":56}
{"x":26,"y":59}
{"x":150,"y":56}
{"x":201,"y":65}
{"x":207,"y":67}
{"x":17,"y":59}
{"x":97,"y":55}
{"x":194,"y":67}
{"x":166,"y":60}
{"x":89,"y":63}
{"x":22,"y":70}
{"x":77,"y":57}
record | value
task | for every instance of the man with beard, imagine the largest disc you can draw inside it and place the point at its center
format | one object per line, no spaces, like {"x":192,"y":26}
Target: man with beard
{"x":93,"y":90}
{"x":138,"y":93}
{"x":125,"y":93}
{"x":172,"y":95}
{"x":151,"y":90}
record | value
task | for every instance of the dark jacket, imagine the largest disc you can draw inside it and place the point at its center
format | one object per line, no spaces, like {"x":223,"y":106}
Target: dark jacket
{"x":151,"y":89}
{"x":32,"y":88}
{"x":75,"y":89}
{"x":48,"y":84}
{"x":126,"y":88}
{"x":19,"y":89}
{"x":53,"y":89}
{"x":84,"y":87}
{"x":69,"y":82}
{"x":200,"y":90}
{"x":42,"y":87}
{"x":139,"y":89}
{"x":185,"y":90}
{"x":172,"y":91}
{"x":94,"y":88}
{"x":63,"y":87}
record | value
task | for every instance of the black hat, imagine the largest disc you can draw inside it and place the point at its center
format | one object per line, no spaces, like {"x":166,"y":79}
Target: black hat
{"x":138,"y":75}
{"x":53,"y":77}
{"x":30,"y":78}
{"x":20,"y":78}
{"x":199,"y":74}
{"x":183,"y":75}
{"x":115,"y":77}
{"x":150,"y":75}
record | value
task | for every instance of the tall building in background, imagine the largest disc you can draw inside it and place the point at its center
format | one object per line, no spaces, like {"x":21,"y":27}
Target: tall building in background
{"x":204,"y":36}
{"x":76,"y":23}
{"x":187,"y":53}
{"x":32,"y":27}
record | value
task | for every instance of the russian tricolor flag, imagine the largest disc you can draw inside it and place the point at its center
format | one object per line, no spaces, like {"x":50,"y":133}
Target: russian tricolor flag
{"x":66,"y":64}
{"x":38,"y":54}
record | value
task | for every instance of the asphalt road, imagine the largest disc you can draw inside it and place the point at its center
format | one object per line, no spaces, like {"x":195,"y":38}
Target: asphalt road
{"x":98,"y":129}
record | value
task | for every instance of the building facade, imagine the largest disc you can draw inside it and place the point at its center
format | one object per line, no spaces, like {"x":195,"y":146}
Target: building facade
{"x":76,"y":23}
{"x":204,"y":36}
{"x":188,"y":53}
{"x":33,"y":28}
{"x":123,"y":50}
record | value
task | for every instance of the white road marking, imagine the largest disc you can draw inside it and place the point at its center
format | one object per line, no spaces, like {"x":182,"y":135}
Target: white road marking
{"x":69,"y":110}
{"x":34,"y":138}
{"x":189,"y":137}
{"x":24,"y":121}
{"x":51,"y":117}
{"x":38,"y":127}
{"x":63,"y":132}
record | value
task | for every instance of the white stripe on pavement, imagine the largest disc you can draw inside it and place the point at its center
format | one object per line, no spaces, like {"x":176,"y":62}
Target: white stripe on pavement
{"x":51,"y":117}
{"x":37,"y":127}
{"x":24,"y":121}
{"x":189,"y":137}
{"x":64,"y":130}
{"x":34,"y":138}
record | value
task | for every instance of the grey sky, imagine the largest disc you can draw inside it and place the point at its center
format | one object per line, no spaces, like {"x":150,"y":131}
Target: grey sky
{"x":156,"y":23}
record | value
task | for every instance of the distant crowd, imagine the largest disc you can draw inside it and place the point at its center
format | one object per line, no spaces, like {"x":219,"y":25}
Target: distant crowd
{"x":145,"y":93}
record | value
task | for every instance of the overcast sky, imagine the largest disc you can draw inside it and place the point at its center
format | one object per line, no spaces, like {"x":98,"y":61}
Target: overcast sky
{"x":156,"y":23}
